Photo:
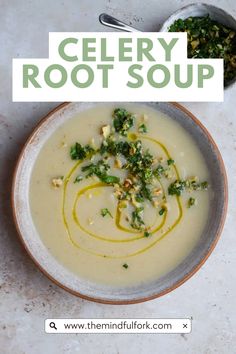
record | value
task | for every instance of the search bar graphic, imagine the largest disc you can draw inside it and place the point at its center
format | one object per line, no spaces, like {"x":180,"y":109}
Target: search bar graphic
{"x":118,"y":325}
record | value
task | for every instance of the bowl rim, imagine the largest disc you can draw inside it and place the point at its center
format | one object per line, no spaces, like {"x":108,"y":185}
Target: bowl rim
{"x":179,"y":10}
{"x":133,"y":301}
{"x":196,"y":5}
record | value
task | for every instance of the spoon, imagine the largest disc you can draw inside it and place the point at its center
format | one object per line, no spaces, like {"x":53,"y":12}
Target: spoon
{"x":112,"y":22}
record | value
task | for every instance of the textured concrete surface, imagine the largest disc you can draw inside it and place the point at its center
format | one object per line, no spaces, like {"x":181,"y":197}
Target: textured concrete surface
{"x":26,"y":296}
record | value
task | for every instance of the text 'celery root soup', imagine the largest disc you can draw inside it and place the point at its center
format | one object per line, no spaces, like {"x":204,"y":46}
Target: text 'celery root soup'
{"x":120,"y":194}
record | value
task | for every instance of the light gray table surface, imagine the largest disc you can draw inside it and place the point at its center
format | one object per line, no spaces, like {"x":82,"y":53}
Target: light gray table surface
{"x":27,"y":297}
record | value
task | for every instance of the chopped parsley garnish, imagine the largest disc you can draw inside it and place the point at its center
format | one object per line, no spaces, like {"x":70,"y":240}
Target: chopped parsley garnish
{"x":114,"y":148}
{"x":170,"y":162}
{"x":204,"y":185}
{"x":142,"y":128}
{"x":78,"y":179}
{"x":178,"y":187}
{"x":145,"y":192}
{"x":125,"y":265}
{"x":191,"y":202}
{"x":162,"y":211}
{"x":109,"y":179}
{"x":79,"y":152}
{"x":146,"y":234}
{"x":105,"y":212}
{"x":137,"y":219}
{"x":123,"y":121}
{"x":100,"y":170}
{"x":159,"y":171}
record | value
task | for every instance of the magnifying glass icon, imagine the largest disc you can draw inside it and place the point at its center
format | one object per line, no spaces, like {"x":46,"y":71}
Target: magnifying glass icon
{"x":53,"y":325}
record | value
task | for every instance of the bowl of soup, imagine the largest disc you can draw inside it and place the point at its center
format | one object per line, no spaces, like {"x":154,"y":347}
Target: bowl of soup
{"x":119,"y":202}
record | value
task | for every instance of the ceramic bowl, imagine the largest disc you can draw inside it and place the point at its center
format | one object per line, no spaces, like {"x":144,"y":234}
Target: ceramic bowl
{"x":107,"y":294}
{"x":199,"y":10}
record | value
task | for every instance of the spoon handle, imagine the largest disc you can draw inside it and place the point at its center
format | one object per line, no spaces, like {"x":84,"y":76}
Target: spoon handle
{"x":112,"y":22}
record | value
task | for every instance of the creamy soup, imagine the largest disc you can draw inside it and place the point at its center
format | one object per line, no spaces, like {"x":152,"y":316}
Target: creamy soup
{"x":120,"y":196}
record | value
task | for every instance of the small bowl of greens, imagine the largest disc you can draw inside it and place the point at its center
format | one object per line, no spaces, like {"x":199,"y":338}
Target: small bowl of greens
{"x":211,"y":34}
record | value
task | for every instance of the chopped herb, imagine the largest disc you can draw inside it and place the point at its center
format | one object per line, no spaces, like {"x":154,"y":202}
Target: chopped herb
{"x":145,"y":192}
{"x":105,"y":212}
{"x":142,"y":128}
{"x":147,"y":234}
{"x":204,"y":185}
{"x":209,"y":39}
{"x":139,"y":198}
{"x":125,"y":265}
{"x":162,"y":210}
{"x":100,"y":170}
{"x":114,"y":148}
{"x":193,"y":185}
{"x":170,"y":162}
{"x":137,"y":220}
{"x":123,"y":121}
{"x":191,"y":202}
{"x":96,"y":168}
{"x":177,"y":187}
{"x":78,"y":179}
{"x":79,"y":152}
{"x":158,"y":171}
{"x":109,"y":179}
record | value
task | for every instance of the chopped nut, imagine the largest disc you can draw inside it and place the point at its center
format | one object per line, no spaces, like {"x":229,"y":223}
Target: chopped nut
{"x":116,"y":186}
{"x":193,"y":179}
{"x":117,"y":163}
{"x":132,"y":150}
{"x":57,"y":182}
{"x":90,"y":221}
{"x":154,"y":161}
{"x":195,"y":43}
{"x":117,"y":193}
{"x":89,"y":195}
{"x":133,"y":178}
{"x":136,"y":187}
{"x":155,"y":203}
{"x":92,"y":143}
{"x":128,"y":183}
{"x":168,"y":174}
{"x":157,"y":192}
{"x":63,"y":144}
{"x":106,"y":131}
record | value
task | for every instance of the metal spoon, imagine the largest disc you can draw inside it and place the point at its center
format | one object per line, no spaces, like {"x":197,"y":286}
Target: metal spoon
{"x":112,"y":22}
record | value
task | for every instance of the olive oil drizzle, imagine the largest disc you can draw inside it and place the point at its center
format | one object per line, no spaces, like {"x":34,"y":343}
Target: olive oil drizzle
{"x":117,"y":219}
{"x":118,"y":214}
